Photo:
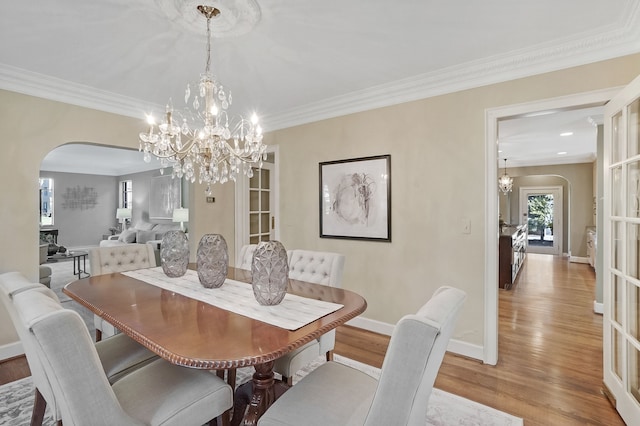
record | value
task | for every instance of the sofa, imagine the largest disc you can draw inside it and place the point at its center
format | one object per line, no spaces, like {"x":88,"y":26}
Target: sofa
{"x":142,"y":233}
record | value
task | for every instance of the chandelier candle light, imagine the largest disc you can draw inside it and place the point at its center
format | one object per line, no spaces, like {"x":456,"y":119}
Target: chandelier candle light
{"x":205,"y":140}
{"x":505,"y":182}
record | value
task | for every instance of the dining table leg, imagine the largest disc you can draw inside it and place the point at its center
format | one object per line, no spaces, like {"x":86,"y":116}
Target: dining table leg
{"x":263,"y":393}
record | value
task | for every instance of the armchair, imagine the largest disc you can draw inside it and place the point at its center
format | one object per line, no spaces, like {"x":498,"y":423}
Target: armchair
{"x":335,"y":394}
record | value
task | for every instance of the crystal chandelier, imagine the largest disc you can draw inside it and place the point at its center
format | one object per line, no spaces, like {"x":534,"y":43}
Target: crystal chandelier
{"x":204,"y":140}
{"x":505,"y":182}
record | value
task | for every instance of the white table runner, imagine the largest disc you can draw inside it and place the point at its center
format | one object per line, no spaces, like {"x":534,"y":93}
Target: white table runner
{"x":234,"y":296}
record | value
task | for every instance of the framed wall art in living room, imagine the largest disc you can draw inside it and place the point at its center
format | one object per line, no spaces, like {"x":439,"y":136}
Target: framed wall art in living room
{"x":164,"y":196}
{"x":355,"y":198}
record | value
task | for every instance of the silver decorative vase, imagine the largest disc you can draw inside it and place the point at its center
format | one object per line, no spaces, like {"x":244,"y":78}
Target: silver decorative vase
{"x":212,"y":260}
{"x":174,"y":253}
{"x":270,"y":272}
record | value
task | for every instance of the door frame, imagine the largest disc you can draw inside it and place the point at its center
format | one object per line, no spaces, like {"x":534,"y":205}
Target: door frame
{"x":242,"y":203}
{"x":492,"y":115}
{"x":558,"y":212}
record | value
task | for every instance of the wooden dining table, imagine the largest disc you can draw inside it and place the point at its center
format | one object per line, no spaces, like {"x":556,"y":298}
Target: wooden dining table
{"x":195,"y":334}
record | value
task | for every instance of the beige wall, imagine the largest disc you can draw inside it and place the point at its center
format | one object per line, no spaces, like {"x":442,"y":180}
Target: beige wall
{"x":437,"y":152}
{"x":438,"y":169}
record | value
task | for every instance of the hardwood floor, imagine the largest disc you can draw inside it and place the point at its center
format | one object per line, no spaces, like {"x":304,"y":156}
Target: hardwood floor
{"x":549,"y":370}
{"x":550,"y":351}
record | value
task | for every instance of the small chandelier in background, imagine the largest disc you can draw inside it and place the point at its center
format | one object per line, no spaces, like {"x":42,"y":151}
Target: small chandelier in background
{"x":505,"y":182}
{"x":205,"y":140}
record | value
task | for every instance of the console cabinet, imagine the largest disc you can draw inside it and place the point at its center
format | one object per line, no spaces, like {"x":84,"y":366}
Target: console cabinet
{"x":512,"y":254}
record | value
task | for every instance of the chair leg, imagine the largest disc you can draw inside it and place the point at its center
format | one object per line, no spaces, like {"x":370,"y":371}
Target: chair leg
{"x":231,"y":378}
{"x":39,"y":406}
{"x":98,"y":335}
{"x":329,"y":356}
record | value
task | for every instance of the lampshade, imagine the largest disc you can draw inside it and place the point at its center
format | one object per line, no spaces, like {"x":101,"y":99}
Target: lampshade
{"x":123,"y":214}
{"x":181,"y":215}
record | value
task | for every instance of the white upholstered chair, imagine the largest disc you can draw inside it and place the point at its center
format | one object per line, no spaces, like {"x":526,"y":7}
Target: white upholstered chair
{"x":121,"y":258}
{"x":118,"y":356}
{"x":246,"y":257}
{"x":320,"y":268}
{"x":334,"y":394}
{"x":159,"y":393}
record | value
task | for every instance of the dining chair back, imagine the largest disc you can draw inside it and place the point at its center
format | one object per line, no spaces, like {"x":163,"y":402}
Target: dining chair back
{"x":158,"y":393}
{"x":12,"y":284}
{"x":316,"y":267}
{"x":337,"y":394}
{"x":119,"y":355}
{"x":245,"y":258}
{"x":120,"y":258}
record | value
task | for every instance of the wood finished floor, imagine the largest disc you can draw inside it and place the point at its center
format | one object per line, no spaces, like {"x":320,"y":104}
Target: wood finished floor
{"x":550,"y":351}
{"x":549,"y":370}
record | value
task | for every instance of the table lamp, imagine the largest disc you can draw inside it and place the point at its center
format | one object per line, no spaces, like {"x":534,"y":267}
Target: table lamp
{"x":123,"y":215}
{"x":181,"y":215}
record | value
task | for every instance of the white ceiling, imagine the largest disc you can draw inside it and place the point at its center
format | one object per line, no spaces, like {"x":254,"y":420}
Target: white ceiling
{"x":303,"y":60}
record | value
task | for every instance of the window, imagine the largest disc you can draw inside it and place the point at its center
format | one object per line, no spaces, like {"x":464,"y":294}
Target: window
{"x":126,"y":194}
{"x":46,"y":201}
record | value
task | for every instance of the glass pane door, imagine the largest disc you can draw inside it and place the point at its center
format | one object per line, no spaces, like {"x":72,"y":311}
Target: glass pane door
{"x":622,"y":252}
{"x":260,"y":218}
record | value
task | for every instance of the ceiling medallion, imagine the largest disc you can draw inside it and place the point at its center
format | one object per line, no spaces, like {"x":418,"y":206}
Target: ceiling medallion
{"x":237,"y":17}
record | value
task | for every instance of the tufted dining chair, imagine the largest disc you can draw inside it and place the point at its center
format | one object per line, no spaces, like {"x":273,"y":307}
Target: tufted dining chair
{"x":118,"y":356}
{"x":335,"y":394}
{"x":122,"y":258}
{"x":158,"y":393}
{"x":246,"y":256}
{"x":319,"y":268}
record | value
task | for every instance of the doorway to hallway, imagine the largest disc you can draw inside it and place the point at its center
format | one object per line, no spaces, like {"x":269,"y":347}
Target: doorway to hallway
{"x":541,"y":210}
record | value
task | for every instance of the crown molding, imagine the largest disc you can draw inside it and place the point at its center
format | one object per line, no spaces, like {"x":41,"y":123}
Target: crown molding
{"x":55,"y":89}
{"x":615,"y":41}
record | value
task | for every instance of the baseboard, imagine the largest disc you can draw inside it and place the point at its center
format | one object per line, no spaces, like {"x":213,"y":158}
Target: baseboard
{"x":11,"y":350}
{"x":576,"y":259}
{"x":456,"y":346}
{"x":598,"y":307}
{"x":372,"y":325}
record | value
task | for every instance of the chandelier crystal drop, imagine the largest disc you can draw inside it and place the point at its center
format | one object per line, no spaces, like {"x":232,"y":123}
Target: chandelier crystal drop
{"x":203,"y":140}
{"x":505,"y":182}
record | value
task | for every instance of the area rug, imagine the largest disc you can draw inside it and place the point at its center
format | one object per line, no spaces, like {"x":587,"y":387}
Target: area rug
{"x":16,"y":401}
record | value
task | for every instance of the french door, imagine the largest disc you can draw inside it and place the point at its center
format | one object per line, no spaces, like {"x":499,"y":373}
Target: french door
{"x":256,"y":203}
{"x":621,"y":325}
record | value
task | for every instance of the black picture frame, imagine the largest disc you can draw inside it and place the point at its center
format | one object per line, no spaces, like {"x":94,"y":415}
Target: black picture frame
{"x":355,"y":198}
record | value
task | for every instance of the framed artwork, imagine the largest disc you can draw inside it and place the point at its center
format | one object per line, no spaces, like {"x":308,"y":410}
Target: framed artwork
{"x":355,"y":198}
{"x":164,"y":197}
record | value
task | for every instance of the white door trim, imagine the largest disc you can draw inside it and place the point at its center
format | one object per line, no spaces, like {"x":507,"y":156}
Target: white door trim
{"x":557,"y":214}
{"x":492,"y":115}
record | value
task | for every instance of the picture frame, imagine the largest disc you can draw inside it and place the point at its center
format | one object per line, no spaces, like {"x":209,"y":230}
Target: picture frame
{"x":355,"y":198}
{"x":165,"y":194}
